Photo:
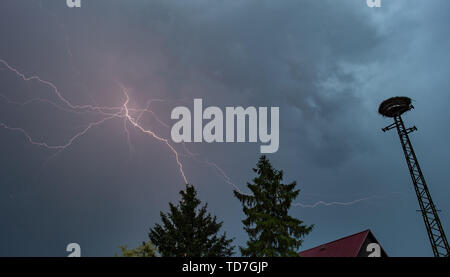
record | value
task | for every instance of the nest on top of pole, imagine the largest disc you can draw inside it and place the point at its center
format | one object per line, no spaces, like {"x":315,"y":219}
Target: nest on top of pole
{"x":395,"y":106}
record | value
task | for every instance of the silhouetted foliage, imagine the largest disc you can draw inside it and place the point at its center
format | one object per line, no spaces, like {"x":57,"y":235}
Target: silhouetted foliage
{"x":271,"y":231}
{"x":147,"y":249}
{"x":190,"y":231}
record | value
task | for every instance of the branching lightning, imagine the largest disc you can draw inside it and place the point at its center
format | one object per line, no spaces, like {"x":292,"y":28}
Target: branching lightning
{"x":121,"y":112}
{"x":130,"y":118}
{"x":151,"y":133}
{"x":336,"y":203}
{"x":58,"y":147}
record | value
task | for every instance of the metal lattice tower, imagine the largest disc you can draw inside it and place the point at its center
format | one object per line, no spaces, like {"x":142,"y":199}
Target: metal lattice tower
{"x":394,"y":108}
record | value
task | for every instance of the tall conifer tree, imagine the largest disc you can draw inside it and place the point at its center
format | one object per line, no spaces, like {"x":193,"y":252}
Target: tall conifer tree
{"x":189,"y":231}
{"x":272,"y":232}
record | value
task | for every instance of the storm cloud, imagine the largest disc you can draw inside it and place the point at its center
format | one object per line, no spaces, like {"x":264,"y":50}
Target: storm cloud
{"x":327,"y":65}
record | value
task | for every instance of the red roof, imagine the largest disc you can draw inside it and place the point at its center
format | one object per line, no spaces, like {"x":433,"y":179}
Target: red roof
{"x":344,"y":247}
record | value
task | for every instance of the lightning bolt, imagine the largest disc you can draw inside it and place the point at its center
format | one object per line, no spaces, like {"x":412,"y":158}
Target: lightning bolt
{"x":323,"y":203}
{"x":58,"y":147}
{"x":56,"y":91}
{"x":121,"y":112}
{"x":224,"y":175}
{"x":147,"y":109}
{"x":296,"y":204}
{"x":228,"y":180}
{"x":124,"y":113}
{"x":151,"y":133}
{"x":349,"y":203}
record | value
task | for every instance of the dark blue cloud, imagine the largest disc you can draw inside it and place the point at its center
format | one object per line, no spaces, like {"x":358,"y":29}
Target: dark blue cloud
{"x":327,"y":65}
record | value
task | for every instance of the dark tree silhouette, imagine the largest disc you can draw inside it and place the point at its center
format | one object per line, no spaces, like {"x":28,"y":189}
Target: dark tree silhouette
{"x":147,"y":249}
{"x":272,"y":232}
{"x":190,"y":231}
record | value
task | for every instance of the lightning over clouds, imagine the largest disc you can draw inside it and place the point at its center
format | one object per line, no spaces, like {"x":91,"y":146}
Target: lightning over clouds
{"x":124,"y":113}
{"x":92,"y":88}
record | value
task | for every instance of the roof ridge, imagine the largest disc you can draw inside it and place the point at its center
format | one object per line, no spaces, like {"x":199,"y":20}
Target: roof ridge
{"x":367,"y":230}
{"x":364,"y":239}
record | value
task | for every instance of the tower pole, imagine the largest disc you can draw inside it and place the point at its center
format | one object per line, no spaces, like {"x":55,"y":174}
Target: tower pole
{"x":433,"y":225}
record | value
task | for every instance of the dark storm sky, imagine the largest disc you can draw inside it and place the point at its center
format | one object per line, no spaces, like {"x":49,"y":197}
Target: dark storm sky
{"x":326,"y":64}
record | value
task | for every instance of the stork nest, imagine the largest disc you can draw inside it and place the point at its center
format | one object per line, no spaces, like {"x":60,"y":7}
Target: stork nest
{"x":395,"y":106}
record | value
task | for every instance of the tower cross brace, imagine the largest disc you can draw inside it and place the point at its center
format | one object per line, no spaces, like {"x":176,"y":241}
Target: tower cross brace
{"x":430,"y":216}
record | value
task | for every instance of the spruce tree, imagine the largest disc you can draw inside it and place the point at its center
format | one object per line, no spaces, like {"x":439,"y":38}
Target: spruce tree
{"x":189,"y":231}
{"x":272,"y":232}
